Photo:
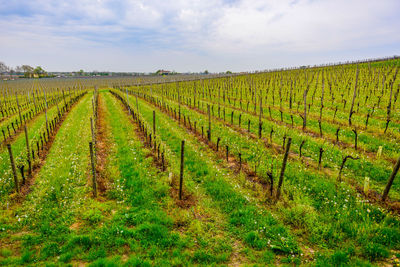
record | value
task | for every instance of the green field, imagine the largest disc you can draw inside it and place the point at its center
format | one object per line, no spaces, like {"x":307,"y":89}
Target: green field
{"x":242,"y":203}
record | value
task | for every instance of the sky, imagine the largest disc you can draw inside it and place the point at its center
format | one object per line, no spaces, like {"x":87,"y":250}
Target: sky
{"x":195,"y":35}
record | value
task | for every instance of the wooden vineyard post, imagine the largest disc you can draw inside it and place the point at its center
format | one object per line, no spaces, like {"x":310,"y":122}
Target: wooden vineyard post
{"x":93,"y":135}
{"x":65,"y":103}
{"x":181,"y":169}
{"x":305,"y":107}
{"x":45,"y":112}
{"x":227,"y":153}
{"x":127,"y":99}
{"x":154,"y":122}
{"x":94,"y":183}
{"x":337,"y":135}
{"x":321,"y":151}
{"x":354,"y":97}
{"x":209,"y":123}
{"x":179,"y":113}
{"x":137,"y":104}
{"x":391,"y":179}
{"x":19,"y":109}
{"x":28,"y":150}
{"x":366,"y":121}
{"x":34,"y":102}
{"x":21,"y":169}
{"x":58,"y":110}
{"x":285,"y":157}
{"x":13,"y":167}
{"x":355,"y":138}
{"x":150,"y":140}
{"x":93,"y":108}
{"x":260,"y":120}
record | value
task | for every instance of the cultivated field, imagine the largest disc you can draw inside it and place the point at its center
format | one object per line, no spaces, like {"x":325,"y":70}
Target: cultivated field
{"x":294,"y":166}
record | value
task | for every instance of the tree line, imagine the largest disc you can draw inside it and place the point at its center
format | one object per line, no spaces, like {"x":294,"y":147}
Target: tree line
{"x":23,"y":70}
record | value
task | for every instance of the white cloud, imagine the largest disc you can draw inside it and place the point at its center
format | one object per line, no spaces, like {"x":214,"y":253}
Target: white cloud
{"x":305,"y":26}
{"x":233,"y":35}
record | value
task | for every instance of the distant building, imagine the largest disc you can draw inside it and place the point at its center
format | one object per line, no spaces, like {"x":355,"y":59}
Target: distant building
{"x":164,"y":72}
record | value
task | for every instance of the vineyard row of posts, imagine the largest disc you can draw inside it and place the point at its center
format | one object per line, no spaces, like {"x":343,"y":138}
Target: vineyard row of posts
{"x":312,"y":103}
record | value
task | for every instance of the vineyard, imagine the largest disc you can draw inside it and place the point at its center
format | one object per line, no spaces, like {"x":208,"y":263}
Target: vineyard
{"x":286,"y":167}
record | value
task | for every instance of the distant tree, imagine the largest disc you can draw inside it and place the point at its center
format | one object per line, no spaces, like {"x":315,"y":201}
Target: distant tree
{"x":228,"y":72}
{"x":27,"y":70}
{"x":39,"y":70}
{"x":206,"y":72}
{"x":19,"y":69}
{"x":3,"y":67}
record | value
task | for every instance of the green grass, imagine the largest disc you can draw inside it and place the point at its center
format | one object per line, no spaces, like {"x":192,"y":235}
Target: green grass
{"x":244,"y":217}
{"x":59,"y":190}
{"x":195,"y":235}
{"x":35,"y":128}
{"x":324,"y":212}
{"x":138,"y":221}
{"x":377,"y":170}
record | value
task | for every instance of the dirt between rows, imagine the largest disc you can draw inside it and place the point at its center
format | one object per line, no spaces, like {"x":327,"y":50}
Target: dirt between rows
{"x":101,"y":144}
